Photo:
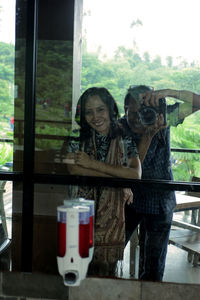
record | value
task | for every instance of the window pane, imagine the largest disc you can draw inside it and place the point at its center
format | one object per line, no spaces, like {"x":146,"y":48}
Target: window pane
{"x":6,"y":195}
{"x":7,"y":88}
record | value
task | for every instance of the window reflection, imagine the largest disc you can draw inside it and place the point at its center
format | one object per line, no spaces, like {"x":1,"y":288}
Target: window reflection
{"x":53,"y":103}
{"x":6,"y":104}
{"x":54,"y":108}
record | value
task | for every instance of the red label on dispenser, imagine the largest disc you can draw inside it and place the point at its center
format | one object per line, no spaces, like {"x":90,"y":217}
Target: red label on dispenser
{"x":61,"y":227}
{"x":84,"y":232}
{"x":91,"y":232}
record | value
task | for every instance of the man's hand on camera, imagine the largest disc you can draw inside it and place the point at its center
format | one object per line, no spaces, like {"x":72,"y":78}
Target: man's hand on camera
{"x":150,"y":98}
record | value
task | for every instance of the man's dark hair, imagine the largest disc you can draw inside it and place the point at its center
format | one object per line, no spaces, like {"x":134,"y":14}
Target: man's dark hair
{"x":134,"y":91}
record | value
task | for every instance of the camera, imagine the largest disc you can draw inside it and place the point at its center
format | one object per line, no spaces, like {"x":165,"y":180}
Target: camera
{"x":148,"y":114}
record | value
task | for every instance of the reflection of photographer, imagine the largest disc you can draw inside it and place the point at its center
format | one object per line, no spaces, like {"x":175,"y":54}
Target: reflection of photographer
{"x":148,"y":113}
{"x":153,"y":208}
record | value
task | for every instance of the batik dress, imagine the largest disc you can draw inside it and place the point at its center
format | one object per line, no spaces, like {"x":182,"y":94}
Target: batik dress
{"x":109,"y":203}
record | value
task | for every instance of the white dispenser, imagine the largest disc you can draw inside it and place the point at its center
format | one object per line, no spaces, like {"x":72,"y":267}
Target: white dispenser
{"x":73,"y":242}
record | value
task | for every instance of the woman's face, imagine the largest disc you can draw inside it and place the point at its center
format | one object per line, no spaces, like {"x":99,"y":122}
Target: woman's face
{"x":97,"y":114}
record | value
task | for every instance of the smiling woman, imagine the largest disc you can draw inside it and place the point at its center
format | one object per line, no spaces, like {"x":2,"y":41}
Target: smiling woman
{"x":103,"y":150}
{"x":97,"y":115}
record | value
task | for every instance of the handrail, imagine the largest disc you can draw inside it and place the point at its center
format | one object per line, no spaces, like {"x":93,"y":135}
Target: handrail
{"x":185,"y":150}
{"x":47,"y":121}
{"x":6,"y":140}
{"x":58,"y":137}
{"x":104,"y":181}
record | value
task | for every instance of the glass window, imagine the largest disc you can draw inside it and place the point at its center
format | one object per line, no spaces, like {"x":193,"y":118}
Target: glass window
{"x":7,"y":87}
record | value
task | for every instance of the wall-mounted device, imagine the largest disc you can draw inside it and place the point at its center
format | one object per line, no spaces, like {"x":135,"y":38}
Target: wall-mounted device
{"x":75,"y":239}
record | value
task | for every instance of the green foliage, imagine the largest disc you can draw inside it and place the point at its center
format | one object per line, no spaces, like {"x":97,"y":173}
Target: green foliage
{"x":49,"y":130}
{"x":54,"y":59}
{"x":185,"y":166}
{"x":186,"y":135}
{"x":6,"y":151}
{"x":54,"y":72}
{"x":6,"y":79}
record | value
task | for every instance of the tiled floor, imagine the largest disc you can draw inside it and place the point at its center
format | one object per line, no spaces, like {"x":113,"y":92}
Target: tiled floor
{"x":177,"y":269}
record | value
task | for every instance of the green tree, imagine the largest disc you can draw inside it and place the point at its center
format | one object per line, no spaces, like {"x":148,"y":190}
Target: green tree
{"x":169,"y":60}
{"x":146,"y":57}
{"x":6,"y":78}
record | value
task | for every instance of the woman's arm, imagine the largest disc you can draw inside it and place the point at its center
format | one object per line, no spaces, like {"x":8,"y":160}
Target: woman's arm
{"x":75,"y":169}
{"x":132,"y":171}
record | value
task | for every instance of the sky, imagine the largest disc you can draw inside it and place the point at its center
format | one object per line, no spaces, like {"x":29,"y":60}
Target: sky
{"x":7,"y":21}
{"x":170,"y":27}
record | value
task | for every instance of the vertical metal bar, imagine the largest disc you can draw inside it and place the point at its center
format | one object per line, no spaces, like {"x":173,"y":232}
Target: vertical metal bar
{"x":29,"y":136}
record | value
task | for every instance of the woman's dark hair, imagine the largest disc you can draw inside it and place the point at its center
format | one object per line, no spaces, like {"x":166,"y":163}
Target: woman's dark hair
{"x":108,"y":100}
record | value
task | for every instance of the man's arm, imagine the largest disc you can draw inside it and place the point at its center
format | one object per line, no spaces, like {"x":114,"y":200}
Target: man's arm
{"x":143,"y":146}
{"x":191,"y":101}
{"x":148,"y":134}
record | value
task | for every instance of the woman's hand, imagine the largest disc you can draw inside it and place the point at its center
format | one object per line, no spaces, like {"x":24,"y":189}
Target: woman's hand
{"x":128,"y":196}
{"x":82,"y":159}
{"x":69,"y":158}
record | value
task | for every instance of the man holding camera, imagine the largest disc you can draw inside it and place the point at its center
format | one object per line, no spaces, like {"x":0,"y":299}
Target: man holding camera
{"x":145,"y":119}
